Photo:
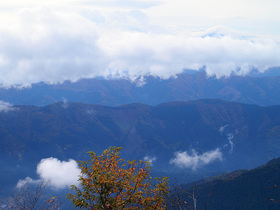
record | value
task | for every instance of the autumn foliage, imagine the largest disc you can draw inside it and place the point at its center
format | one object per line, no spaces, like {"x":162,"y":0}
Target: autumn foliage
{"x":109,"y":182}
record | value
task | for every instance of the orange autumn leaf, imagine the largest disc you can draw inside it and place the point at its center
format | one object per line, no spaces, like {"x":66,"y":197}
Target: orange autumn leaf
{"x":108,"y":180}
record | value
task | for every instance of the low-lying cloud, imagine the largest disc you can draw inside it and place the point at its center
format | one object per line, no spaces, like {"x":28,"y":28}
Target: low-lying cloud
{"x":229,"y":135}
{"x":194,"y":160}
{"x":51,"y":46}
{"x":58,"y":174}
{"x":6,"y":107}
{"x":222,"y":129}
{"x":65,"y":103}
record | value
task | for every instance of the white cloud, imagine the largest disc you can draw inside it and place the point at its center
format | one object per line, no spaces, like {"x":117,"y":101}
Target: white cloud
{"x":6,"y":107}
{"x":195,"y":160}
{"x":91,"y":112}
{"x":150,"y":159}
{"x":65,"y":103}
{"x":51,"y":44}
{"x":260,"y":16}
{"x":25,"y":181}
{"x":123,"y":4}
{"x":58,"y":174}
{"x":222,"y":129}
{"x":162,"y":55}
{"x":230,"y":137}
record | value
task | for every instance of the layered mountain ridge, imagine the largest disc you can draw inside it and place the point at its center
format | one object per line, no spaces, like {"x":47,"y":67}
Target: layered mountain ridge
{"x":187,"y":140}
{"x":256,"y":88}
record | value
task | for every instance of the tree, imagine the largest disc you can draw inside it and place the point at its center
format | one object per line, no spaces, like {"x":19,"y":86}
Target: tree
{"x":109,"y":182}
{"x":31,"y":196}
{"x":182,"y":199}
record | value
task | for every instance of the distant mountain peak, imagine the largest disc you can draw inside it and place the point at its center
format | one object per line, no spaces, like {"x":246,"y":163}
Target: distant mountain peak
{"x":221,"y":31}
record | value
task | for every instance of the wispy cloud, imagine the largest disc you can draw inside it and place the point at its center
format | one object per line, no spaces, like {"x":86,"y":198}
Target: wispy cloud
{"x":6,"y":107}
{"x":58,"y":174}
{"x":150,"y":159}
{"x":27,"y":180}
{"x":91,"y":112}
{"x":230,"y":137}
{"x":65,"y":103}
{"x":222,"y":129}
{"x":194,"y":160}
{"x":226,"y":130}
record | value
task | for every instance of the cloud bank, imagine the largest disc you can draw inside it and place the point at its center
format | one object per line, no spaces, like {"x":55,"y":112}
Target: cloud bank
{"x":53,"y":46}
{"x":195,"y":160}
{"x":58,"y":174}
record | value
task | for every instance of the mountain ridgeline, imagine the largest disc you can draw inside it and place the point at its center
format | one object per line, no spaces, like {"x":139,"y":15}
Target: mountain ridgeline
{"x":187,"y":140}
{"x":256,"y":88}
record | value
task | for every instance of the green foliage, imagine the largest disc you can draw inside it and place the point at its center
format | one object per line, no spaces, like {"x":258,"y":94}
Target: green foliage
{"x":109,"y":182}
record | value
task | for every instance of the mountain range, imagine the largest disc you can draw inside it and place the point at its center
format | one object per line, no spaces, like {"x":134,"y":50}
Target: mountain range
{"x":165,"y":121}
{"x":186,"y":140}
{"x":255,"y":88}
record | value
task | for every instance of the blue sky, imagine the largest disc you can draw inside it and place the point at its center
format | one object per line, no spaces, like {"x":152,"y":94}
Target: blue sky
{"x":58,"y":40}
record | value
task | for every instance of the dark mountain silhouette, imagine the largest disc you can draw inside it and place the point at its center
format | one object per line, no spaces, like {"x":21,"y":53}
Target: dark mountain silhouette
{"x":260,"y":89}
{"x":245,"y":135}
{"x":243,"y":189}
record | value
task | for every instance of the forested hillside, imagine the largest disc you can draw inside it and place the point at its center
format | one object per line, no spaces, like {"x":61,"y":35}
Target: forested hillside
{"x":244,"y":189}
{"x":260,"y":89}
{"x":187,"y":140}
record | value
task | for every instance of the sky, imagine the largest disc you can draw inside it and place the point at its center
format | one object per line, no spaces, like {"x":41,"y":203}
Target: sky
{"x":57,"y":40}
